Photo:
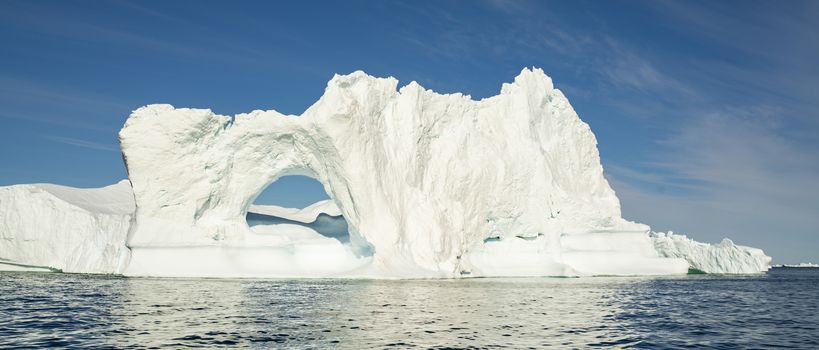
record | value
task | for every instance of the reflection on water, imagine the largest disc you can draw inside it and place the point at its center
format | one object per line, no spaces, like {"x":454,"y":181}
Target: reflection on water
{"x":101,"y":311}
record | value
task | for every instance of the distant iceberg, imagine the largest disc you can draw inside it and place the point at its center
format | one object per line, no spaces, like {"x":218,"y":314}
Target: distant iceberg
{"x":799,"y":265}
{"x":421,"y":185}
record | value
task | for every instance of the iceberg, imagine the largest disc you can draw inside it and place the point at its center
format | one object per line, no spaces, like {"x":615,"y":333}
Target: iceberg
{"x":421,"y":185}
{"x":799,"y":265}
{"x":724,"y":257}
{"x":50,"y":227}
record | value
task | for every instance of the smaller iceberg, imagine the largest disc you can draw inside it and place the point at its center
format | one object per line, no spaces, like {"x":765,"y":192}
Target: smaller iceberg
{"x":724,"y":257}
{"x":50,"y":227}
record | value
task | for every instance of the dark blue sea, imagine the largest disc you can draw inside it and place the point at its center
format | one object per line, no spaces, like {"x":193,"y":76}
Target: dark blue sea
{"x":778,"y":309}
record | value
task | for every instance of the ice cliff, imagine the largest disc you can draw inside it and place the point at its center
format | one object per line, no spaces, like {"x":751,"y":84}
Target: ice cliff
{"x":430,"y":185}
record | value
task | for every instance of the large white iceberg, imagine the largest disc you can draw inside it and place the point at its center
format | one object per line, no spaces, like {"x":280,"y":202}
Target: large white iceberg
{"x":429,"y":185}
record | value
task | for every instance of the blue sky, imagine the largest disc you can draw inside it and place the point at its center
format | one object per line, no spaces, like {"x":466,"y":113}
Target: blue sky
{"x":706,"y":112}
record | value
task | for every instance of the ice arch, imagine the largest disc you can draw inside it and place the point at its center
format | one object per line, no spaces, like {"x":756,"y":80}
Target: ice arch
{"x":425,"y":178}
{"x":195,"y":222}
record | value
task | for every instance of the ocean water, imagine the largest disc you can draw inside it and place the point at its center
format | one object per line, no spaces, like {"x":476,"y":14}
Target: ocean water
{"x":778,"y":309}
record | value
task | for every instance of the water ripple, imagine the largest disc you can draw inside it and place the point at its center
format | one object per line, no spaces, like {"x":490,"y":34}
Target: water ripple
{"x":58,"y":310}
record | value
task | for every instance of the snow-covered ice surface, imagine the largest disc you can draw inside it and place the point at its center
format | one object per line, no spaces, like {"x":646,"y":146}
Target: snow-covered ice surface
{"x":44,"y":226}
{"x":724,"y":257}
{"x":324,"y":217}
{"x":305,"y":215}
{"x":421,"y":185}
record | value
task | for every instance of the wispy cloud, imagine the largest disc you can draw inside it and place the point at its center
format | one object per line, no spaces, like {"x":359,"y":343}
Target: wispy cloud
{"x":53,"y":120}
{"x":27,"y":89}
{"x":83,"y":143}
{"x":626,"y":67}
{"x":205,"y":44}
{"x":511,"y":6}
{"x":34,"y":101}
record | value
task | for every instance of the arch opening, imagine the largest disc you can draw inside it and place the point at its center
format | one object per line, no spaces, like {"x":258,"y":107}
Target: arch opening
{"x":298,"y":200}
{"x":296,"y":213}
